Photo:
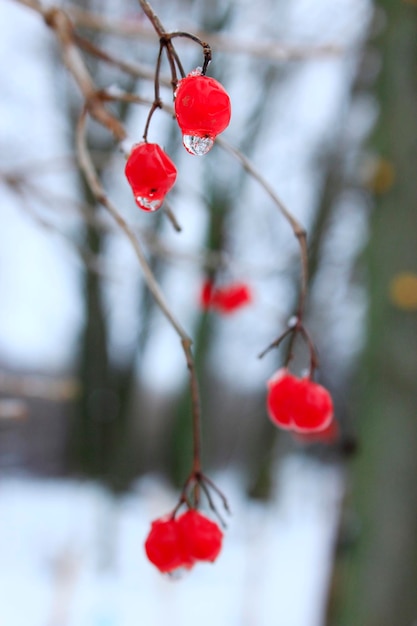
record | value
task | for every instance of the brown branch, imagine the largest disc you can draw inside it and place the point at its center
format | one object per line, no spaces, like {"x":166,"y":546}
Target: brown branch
{"x":157,"y":102}
{"x":137,"y":70}
{"x":298,"y":230}
{"x":60,"y":22}
{"x":195,"y":402}
{"x":165,"y":41}
{"x":166,"y":207}
{"x":99,"y":193}
{"x":218,"y":42}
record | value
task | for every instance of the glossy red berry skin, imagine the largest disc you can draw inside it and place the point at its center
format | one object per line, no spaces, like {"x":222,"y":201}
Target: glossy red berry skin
{"x":298,"y":404}
{"x":231,"y":298}
{"x":174,"y":543}
{"x":151,"y":174}
{"x":163,"y":545}
{"x":201,"y":537}
{"x":203,"y":110}
{"x":226,"y":299}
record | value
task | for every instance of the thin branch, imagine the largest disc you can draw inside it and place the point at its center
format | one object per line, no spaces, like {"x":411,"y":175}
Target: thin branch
{"x":219,"y":43}
{"x":206,"y":47}
{"x":137,"y":70}
{"x":298,"y":230}
{"x":165,"y":41}
{"x":98,"y":191}
{"x":166,"y":207}
{"x":157,"y":102}
{"x":60,"y":22}
{"x":220,"y":494}
{"x":195,"y":403}
{"x":277,"y":342}
{"x":314,"y":359}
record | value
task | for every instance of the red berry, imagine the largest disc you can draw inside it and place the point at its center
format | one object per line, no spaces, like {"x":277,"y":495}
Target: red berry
{"x":206,"y":294}
{"x":201,"y":538}
{"x":151,"y":174}
{"x":298,"y":404}
{"x":163,"y":545}
{"x":227,"y":299}
{"x":203,"y":111}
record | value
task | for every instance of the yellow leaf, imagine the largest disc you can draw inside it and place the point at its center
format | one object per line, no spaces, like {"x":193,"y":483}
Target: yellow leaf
{"x":403,"y":291}
{"x":379,"y":175}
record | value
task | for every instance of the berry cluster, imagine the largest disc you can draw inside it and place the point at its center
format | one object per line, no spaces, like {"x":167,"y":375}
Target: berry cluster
{"x":227,"y":299}
{"x":298,"y":404}
{"x":180,"y":542}
{"x":202,"y":109}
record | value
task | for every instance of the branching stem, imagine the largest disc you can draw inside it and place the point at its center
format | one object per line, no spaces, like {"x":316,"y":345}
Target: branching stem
{"x":298,"y":230}
{"x":97,"y":189}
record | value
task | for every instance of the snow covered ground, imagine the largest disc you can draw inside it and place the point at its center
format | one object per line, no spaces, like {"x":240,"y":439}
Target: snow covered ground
{"x":73,"y":556}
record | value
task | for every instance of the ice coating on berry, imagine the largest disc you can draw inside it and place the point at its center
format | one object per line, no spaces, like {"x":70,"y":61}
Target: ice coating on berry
{"x":198,"y":146}
{"x":202,"y":108}
{"x":298,"y":404}
{"x":151,"y":174}
{"x":148,"y":204}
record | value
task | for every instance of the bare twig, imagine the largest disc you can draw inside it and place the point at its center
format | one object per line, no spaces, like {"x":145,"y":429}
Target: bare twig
{"x":60,"y":22}
{"x":276,"y":343}
{"x":137,"y":70}
{"x":219,"y":43}
{"x":99,"y":193}
{"x":298,"y":230}
{"x":165,"y":41}
{"x":167,"y":209}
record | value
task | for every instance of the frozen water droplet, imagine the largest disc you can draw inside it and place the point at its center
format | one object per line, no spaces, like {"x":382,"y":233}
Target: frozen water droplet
{"x":293,"y":321}
{"x":197,"y":72}
{"x":197,"y":145}
{"x":147,"y":204}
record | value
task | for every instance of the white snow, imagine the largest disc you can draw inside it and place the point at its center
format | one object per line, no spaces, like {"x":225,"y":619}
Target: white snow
{"x":73,"y":556}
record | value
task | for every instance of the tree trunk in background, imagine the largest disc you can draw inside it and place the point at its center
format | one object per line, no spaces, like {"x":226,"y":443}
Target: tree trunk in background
{"x":374,"y":582}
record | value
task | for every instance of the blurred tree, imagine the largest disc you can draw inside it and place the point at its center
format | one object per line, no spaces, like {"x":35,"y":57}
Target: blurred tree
{"x":376,"y":562}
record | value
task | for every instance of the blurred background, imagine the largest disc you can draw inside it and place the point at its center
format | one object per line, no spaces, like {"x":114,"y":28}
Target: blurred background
{"x":95,"y":437}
